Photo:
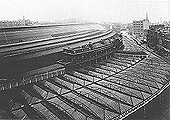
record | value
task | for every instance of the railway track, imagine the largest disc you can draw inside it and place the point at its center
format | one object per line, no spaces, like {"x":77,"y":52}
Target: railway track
{"x":54,"y":48}
{"x":19,"y":57}
{"x":52,"y":43}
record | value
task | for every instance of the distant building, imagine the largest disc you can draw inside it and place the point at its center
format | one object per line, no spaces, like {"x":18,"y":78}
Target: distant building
{"x":15,"y":23}
{"x":139,"y":27}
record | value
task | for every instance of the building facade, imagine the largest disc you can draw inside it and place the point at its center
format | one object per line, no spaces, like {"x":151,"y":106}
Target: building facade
{"x":140,"y":26}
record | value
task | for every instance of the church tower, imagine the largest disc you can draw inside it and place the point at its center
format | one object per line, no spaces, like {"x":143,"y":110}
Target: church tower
{"x":23,"y":20}
{"x":147,"y":16}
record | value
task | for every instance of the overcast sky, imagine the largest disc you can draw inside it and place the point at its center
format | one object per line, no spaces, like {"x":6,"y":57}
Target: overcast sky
{"x":93,"y":10}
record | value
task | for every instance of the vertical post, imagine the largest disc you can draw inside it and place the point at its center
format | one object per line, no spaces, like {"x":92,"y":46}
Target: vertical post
{"x":42,"y":76}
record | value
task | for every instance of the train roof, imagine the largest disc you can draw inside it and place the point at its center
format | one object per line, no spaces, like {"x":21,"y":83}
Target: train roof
{"x":43,"y":70}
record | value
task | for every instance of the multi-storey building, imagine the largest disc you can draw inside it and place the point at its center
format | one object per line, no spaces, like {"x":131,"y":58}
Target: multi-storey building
{"x":140,"y":26}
